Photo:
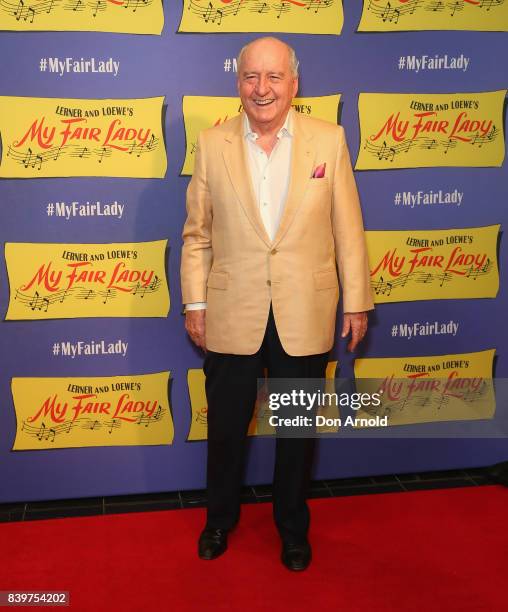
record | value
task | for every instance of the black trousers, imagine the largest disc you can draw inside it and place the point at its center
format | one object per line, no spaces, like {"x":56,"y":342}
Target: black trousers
{"x":231,"y":390}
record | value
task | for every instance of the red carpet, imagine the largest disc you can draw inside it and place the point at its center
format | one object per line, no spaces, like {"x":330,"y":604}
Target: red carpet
{"x":428,"y":550}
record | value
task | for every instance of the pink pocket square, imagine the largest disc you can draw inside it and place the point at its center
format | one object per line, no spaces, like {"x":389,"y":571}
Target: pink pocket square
{"x":319,"y":171}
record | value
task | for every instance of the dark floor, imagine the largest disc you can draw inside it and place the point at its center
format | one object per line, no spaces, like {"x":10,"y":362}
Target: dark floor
{"x":256,"y":494}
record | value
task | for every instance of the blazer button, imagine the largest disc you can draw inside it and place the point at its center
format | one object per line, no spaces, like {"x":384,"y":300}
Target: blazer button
{"x":273,"y":251}
{"x":269,"y":283}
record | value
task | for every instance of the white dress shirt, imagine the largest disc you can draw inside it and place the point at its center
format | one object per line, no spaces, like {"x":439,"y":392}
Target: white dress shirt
{"x":270,"y":178}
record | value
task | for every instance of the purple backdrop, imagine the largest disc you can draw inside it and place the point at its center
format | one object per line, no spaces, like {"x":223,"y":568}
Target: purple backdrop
{"x":175,"y":65}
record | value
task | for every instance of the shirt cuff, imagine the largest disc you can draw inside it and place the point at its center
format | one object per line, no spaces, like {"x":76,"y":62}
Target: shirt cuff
{"x":195,"y":306}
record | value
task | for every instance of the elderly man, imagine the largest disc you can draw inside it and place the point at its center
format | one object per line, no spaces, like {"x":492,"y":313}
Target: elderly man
{"x":273,"y":213}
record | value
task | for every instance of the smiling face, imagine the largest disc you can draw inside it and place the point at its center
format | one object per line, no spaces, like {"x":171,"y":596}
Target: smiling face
{"x":266,"y":84}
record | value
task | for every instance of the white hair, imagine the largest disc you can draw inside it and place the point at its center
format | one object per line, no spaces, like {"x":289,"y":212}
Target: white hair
{"x":293,"y":60}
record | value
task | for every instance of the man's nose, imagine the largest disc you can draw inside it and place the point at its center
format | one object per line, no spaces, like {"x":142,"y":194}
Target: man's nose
{"x":263,"y":86}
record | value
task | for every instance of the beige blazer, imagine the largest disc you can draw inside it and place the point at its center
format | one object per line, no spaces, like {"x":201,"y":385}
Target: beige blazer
{"x":229,"y":261}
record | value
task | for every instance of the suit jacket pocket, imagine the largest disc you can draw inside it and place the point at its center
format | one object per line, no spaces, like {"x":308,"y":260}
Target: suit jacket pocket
{"x":326,"y":279}
{"x":316,"y":185}
{"x":319,"y":182}
{"x":218,"y":280}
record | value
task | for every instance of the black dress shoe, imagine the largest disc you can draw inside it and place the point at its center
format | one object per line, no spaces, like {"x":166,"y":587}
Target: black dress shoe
{"x":212,"y":543}
{"x":296,"y":557}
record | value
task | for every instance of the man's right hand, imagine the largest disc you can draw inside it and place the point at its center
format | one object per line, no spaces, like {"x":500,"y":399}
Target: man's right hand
{"x":195,"y":321}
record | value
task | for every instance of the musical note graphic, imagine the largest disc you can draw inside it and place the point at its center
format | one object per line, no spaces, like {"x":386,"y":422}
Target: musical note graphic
{"x":386,"y":152}
{"x":43,"y":302}
{"x":200,"y":416}
{"x":456,"y":6}
{"x":473,"y":395}
{"x":449,"y":144}
{"x":424,"y":404}
{"x":149,"y":146}
{"x":81,"y":152}
{"x":235,"y":13}
{"x":113,"y":424}
{"x":445,"y":278}
{"x":474,"y":273}
{"x":29,"y":159}
{"x":481,"y":140}
{"x":148,"y":420}
{"x":429,"y":143}
{"x":212,"y":13}
{"x":383,"y":151}
{"x":99,"y":6}
{"x":383,"y":287}
{"x":34,"y":302}
{"x":89,"y":424}
{"x":45,"y":433}
{"x":390,"y":14}
{"x":142,"y":290}
{"x":27,"y":10}
{"x":422,"y":400}
{"x":107,"y":295}
{"x":23,"y":12}
{"x":436,"y":5}
{"x":102,"y":153}
{"x":84,"y":295}
{"x":41,"y":431}
{"x":425,"y":278}
{"x":412,"y":10}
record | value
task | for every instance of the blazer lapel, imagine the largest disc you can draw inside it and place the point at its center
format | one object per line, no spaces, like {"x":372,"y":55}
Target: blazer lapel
{"x":235,"y":158}
{"x":302,"y":159}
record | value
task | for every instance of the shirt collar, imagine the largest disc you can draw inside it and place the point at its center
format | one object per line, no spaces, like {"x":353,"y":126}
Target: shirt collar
{"x":285,"y":130}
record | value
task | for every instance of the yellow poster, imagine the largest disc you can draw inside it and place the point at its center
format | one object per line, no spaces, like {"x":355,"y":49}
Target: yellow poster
{"x":431,"y":130}
{"x":129,"y":16}
{"x":429,"y":389}
{"x":401,"y":15}
{"x":260,"y":422}
{"x":70,"y":281}
{"x":296,"y":16}
{"x":202,"y":112}
{"x":433,"y":264}
{"x":77,"y":412}
{"x":59,"y":137}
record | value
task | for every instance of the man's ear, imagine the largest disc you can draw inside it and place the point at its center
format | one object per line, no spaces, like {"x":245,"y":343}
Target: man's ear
{"x":295,"y":87}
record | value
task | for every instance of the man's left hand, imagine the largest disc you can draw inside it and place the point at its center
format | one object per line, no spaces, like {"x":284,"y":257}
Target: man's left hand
{"x":356,"y":323}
